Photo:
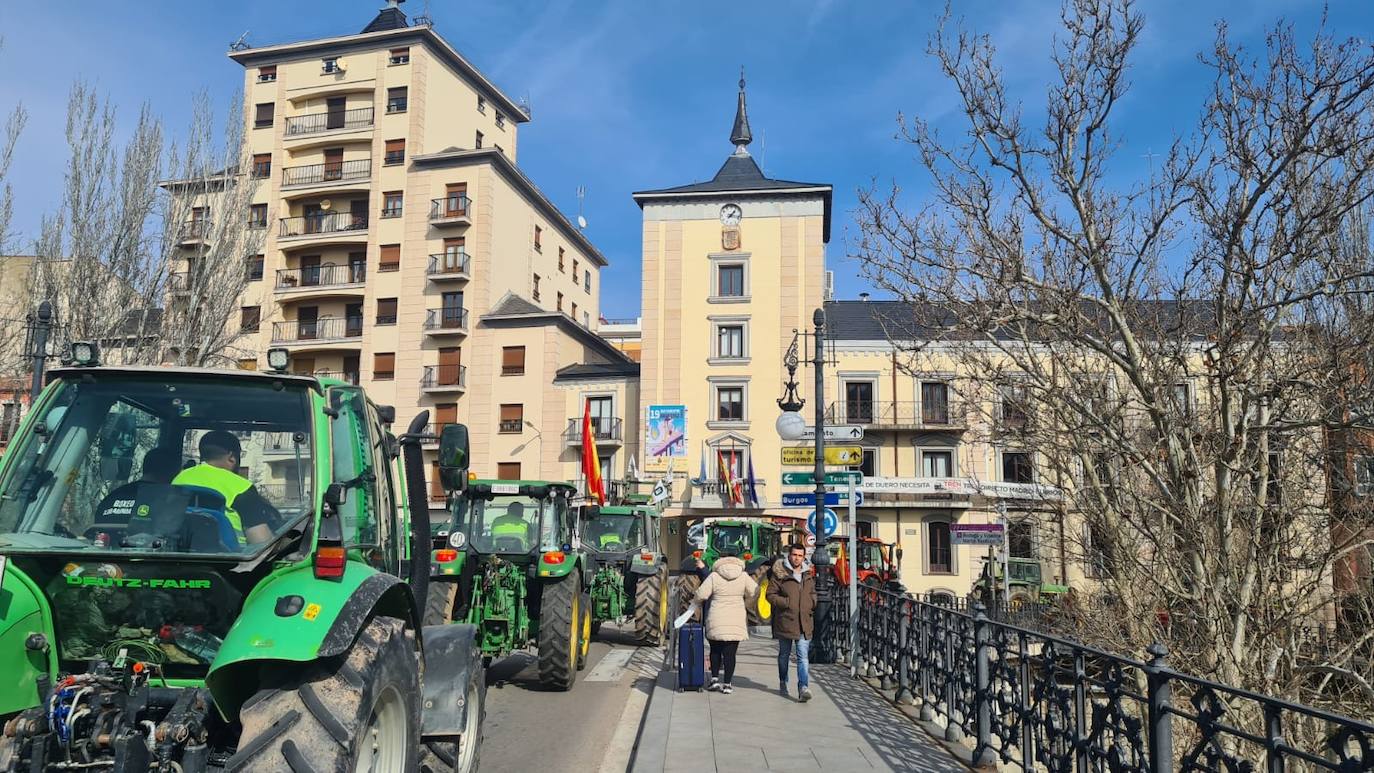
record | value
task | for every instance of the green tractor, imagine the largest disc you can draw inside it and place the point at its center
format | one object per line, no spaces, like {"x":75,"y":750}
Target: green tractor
{"x":756,"y":542}
{"x":630,"y":575}
{"x":512,"y":569}
{"x":1027,"y":584}
{"x":210,"y":570}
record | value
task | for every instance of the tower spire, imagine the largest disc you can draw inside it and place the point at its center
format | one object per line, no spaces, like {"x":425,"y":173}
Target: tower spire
{"x":740,"y":135}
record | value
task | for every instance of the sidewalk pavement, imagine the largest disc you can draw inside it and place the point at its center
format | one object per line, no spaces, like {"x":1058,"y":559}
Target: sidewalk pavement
{"x":845,"y":726}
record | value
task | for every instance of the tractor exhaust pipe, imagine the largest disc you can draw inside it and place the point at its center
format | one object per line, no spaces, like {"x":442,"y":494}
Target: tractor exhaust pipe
{"x":417,"y":501}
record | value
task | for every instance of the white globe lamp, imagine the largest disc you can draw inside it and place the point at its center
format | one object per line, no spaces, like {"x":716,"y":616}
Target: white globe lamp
{"x":791,"y":425}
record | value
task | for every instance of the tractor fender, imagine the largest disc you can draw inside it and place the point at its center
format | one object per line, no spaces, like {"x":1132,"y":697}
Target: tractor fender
{"x":638,"y":567}
{"x":323,"y":621}
{"x":451,"y":658}
{"x":24,"y":611}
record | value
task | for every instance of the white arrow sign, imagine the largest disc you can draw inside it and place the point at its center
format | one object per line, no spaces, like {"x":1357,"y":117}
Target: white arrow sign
{"x":835,"y":432}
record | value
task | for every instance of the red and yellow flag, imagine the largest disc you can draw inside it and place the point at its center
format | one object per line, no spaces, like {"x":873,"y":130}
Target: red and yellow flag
{"x":591,"y":464}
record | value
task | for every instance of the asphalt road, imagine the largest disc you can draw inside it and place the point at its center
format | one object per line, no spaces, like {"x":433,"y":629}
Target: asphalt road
{"x":529,"y":728}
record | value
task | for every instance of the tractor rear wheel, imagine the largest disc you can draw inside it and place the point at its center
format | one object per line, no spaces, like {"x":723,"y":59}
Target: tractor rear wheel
{"x":460,"y":756}
{"x":560,"y":628}
{"x":359,"y":710}
{"x":440,"y":600}
{"x":651,"y":608}
{"x":687,"y":585}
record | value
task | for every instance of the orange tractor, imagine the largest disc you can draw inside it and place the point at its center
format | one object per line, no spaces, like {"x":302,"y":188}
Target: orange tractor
{"x":877,"y":562}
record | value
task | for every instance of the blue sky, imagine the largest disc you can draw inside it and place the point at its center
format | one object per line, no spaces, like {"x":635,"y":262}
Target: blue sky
{"x":635,"y":94}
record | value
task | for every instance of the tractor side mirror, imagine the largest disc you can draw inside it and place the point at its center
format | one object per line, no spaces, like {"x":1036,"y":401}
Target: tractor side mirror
{"x":453,"y":457}
{"x":335,"y":495}
{"x":899,"y":554}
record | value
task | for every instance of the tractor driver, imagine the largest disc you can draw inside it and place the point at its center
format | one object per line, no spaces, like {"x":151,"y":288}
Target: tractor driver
{"x":249,"y":513}
{"x":512,"y":525}
{"x":136,"y":498}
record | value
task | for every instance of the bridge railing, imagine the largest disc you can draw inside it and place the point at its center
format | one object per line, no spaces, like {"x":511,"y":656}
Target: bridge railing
{"x":1031,"y":700}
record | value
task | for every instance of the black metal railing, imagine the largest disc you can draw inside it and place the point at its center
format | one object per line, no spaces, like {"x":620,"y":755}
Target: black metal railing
{"x":1035,"y":701}
{"x":453,"y":263}
{"x":449,"y":207}
{"x":604,"y":428}
{"x":301,"y":125}
{"x":285,"y":494}
{"x":511,"y":425}
{"x":325,"y":329}
{"x":433,"y":430}
{"x":195,"y":229}
{"x":329,"y":171}
{"x":324,"y":223}
{"x":874,"y":413}
{"x":444,"y":376}
{"x":447,"y":318}
{"x":180,"y":281}
{"x":321,"y":276}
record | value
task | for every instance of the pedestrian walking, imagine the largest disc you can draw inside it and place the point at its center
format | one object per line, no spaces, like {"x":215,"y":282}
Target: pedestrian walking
{"x":792,"y":595}
{"x":729,"y":590}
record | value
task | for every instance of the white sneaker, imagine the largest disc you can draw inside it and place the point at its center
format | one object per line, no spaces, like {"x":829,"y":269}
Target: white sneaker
{"x":714,"y":686}
{"x":727,"y":689}
{"x":805,"y":694}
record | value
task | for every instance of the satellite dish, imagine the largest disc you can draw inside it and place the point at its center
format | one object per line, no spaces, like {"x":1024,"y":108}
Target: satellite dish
{"x":326,"y":204}
{"x":582,"y":222}
{"x":341,"y":63}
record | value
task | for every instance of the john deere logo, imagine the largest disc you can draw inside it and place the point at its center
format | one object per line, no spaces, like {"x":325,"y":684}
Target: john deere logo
{"x":138,"y":582}
{"x":142,"y":511}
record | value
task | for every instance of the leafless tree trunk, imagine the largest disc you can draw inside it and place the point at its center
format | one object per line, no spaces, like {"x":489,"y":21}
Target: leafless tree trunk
{"x":11,"y":358}
{"x":1153,"y":341}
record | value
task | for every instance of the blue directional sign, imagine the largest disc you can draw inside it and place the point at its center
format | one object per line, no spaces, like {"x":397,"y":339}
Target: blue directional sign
{"x":832,"y":499}
{"x":832,"y":522}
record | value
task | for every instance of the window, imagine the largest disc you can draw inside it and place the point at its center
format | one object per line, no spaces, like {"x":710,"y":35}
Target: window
{"x":733,"y":460}
{"x":573,"y":313}
{"x":244,"y":364}
{"x":1183,"y":398}
{"x":257,"y":216}
{"x":1021,"y":539}
{"x":1097,"y":551}
{"x":399,"y":56}
{"x":391,"y":204}
{"x":858,"y":402}
{"x":386,"y":311}
{"x":253,"y":272}
{"x":481,"y":106}
{"x":512,"y":360}
{"x":559,"y":306}
{"x":560,"y":259}
{"x":937,"y":464}
{"x":730,"y":341}
{"x":730,"y":280}
{"x":587,"y":281}
{"x":396,"y":99}
{"x":395,"y":152}
{"x":575,"y":269}
{"x":1017,"y":467}
{"x":267,"y":73}
{"x":500,"y":120}
{"x":250,"y":317}
{"x":869,"y":465}
{"x":539,"y":245}
{"x":391,"y":258}
{"x":262,"y":165}
{"x":1364,"y":476}
{"x":586,"y":320}
{"x":1012,"y":403}
{"x":535,"y":293}
{"x":934,"y":402}
{"x":383,"y":366}
{"x":939,"y":552}
{"x":512,"y":418}
{"x":265,"y":112}
{"x":730,"y":403}
{"x":330,"y":64}
{"x":477,"y":142}
{"x":508,"y":471}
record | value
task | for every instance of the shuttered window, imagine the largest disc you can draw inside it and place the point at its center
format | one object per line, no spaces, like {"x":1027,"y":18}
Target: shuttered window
{"x":508,"y":471}
{"x":383,"y":366}
{"x":512,"y":360}
{"x":395,"y":152}
{"x":267,"y":73}
{"x":265,"y":113}
{"x":386,"y":311}
{"x":391,"y":258}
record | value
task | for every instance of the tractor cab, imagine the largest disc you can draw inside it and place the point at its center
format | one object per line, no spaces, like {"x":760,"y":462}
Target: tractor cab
{"x":615,"y":529}
{"x":877,"y":561}
{"x":517,"y":520}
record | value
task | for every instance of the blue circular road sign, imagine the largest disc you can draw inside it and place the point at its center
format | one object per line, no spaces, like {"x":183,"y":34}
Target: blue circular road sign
{"x":832,"y":522}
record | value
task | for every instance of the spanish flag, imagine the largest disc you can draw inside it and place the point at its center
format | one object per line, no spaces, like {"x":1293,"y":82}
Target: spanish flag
{"x":591,"y":465}
{"x":727,"y":480}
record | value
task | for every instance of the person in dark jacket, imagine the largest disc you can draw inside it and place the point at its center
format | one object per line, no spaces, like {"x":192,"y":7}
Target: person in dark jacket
{"x":792,"y":595}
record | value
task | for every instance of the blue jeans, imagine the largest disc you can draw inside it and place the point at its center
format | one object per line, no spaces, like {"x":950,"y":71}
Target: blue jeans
{"x":803,"y":647}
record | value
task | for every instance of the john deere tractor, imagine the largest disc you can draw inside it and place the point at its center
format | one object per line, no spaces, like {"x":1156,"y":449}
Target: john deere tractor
{"x":513,"y":569}
{"x":210,"y":570}
{"x":630,"y":574}
{"x":757,"y":542}
{"x":1027,"y":584}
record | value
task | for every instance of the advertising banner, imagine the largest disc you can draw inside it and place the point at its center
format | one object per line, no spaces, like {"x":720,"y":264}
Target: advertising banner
{"x":665,"y":436}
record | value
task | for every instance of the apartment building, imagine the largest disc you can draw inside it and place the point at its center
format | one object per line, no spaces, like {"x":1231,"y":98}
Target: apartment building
{"x":396,"y":221}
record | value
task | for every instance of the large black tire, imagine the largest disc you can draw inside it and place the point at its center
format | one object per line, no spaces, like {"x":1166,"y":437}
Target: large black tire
{"x":315,"y":717}
{"x":461,"y":756}
{"x":651,"y":608}
{"x":687,"y":585}
{"x":440,"y":602}
{"x":560,"y":621}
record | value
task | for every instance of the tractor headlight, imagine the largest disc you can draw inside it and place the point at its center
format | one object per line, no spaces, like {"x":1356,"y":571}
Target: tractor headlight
{"x":278,"y":359}
{"x":85,"y":354}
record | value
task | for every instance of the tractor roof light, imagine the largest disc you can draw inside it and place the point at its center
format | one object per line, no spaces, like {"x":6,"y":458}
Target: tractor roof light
{"x":278,"y":359}
{"x":85,"y":354}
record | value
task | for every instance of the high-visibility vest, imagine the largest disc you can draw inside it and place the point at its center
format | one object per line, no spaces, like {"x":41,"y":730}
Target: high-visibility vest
{"x":510,"y":526}
{"x":229,"y":484}
{"x":607,"y":539}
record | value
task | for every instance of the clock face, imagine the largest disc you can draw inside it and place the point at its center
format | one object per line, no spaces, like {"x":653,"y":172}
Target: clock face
{"x":730,"y":214}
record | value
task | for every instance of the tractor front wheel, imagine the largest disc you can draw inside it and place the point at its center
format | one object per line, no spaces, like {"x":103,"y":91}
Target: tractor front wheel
{"x":356,"y":711}
{"x":651,"y":608}
{"x":560,"y":627}
{"x":687,"y":585}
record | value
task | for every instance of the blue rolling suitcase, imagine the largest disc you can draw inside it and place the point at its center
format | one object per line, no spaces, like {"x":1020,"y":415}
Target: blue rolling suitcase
{"x":691,"y":657}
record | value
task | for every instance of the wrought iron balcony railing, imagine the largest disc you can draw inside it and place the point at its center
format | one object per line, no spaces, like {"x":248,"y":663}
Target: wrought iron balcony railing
{"x":321,"y":276}
{"x":330,"y":171}
{"x":447,"y":318}
{"x":943,"y":414}
{"x":325,"y":223}
{"x":604,"y":429}
{"x":314,"y":123}
{"x":448,"y":264}
{"x":435,"y":376}
{"x":450,"y":207}
{"x":325,"y":329}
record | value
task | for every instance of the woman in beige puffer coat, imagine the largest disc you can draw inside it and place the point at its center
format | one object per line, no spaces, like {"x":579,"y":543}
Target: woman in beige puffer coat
{"x":730,"y":590}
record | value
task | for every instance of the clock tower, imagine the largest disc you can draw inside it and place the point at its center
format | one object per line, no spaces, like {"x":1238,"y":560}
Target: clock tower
{"x":731,"y":267}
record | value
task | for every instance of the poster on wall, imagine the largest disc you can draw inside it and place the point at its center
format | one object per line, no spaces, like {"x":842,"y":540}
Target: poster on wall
{"x":665,"y":436}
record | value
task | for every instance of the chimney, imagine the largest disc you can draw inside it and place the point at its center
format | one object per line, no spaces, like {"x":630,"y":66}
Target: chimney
{"x":863,"y":297}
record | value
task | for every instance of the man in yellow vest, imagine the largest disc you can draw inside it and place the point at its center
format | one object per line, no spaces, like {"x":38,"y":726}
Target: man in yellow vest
{"x":512,"y":525}
{"x":247,"y":510}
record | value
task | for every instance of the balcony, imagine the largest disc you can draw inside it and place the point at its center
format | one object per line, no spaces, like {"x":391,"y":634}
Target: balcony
{"x":446,"y":266}
{"x":324,"y":224}
{"x":510,"y":426}
{"x":946,"y":415}
{"x":606,"y":431}
{"x":712,"y":494}
{"x":311,"y":280}
{"x":444,"y":378}
{"x":325,"y":330}
{"x":329,"y":172}
{"x":194,"y":231}
{"x":282,"y":444}
{"x":179,"y":282}
{"x":446,"y":321}
{"x":432,"y":432}
{"x":333,"y":120}
{"x":450,"y":210}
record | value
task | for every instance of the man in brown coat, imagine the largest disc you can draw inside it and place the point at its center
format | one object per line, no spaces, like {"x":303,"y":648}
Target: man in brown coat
{"x":792,"y":595}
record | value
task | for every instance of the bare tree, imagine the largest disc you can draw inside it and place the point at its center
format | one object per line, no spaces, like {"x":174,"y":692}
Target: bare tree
{"x":10,"y":344}
{"x":1150,"y":342}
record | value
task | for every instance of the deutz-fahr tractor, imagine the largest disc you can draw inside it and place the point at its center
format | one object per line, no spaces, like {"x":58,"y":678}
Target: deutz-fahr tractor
{"x":209,"y":570}
{"x":876,"y":561}
{"x":512,"y":568}
{"x":757,"y":542}
{"x":1026,"y":581}
{"x":629,"y":572}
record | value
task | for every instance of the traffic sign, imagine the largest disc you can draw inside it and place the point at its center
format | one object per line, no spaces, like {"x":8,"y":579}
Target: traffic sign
{"x":975,"y":534}
{"x":831,"y":523}
{"x":831,"y":499}
{"x":810,"y":541}
{"x":834,"y":432}
{"x":802,"y":456}
{"x":831,"y":478}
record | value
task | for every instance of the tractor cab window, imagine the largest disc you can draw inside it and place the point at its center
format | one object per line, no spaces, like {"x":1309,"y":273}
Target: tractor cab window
{"x":512,"y":524}
{"x":125,"y":463}
{"x":359,"y":466}
{"x":614,"y":532}
{"x":870,"y":555}
{"x":730,"y":538}
{"x":1025,"y":571}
